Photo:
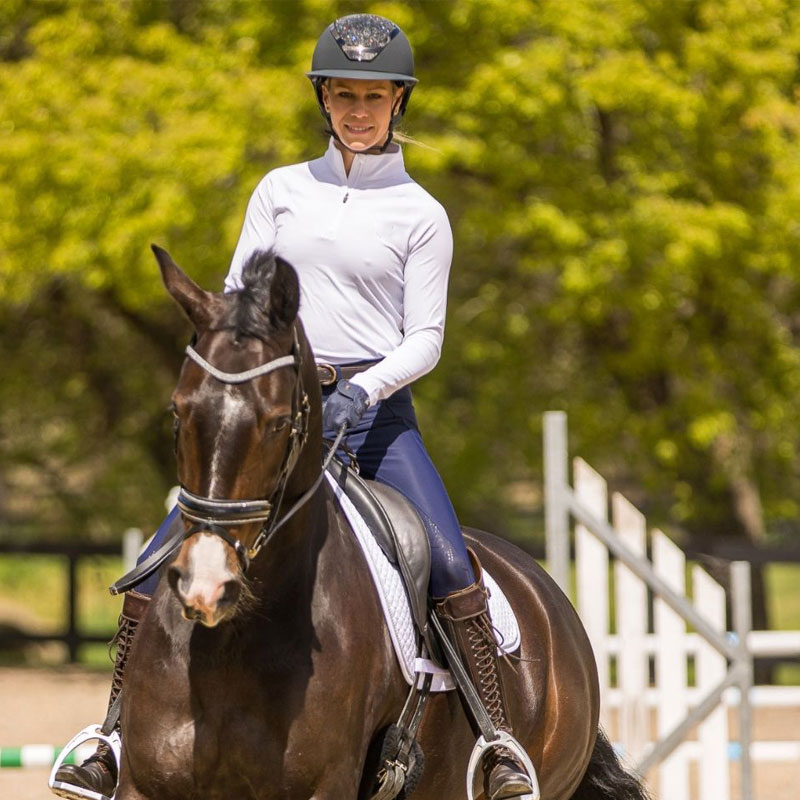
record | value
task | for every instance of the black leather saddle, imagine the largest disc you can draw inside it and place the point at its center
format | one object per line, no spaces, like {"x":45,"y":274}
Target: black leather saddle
{"x":399,"y":532}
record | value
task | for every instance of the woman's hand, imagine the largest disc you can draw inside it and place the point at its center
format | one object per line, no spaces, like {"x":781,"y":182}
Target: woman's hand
{"x":345,"y":406}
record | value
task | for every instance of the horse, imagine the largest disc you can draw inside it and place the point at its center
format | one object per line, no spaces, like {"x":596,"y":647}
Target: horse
{"x":263,"y":668}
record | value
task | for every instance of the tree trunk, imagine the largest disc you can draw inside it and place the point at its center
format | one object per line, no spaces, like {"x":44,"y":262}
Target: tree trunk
{"x":732,"y":455}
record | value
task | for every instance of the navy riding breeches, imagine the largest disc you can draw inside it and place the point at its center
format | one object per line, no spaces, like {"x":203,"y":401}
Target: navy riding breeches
{"x":389,"y":449}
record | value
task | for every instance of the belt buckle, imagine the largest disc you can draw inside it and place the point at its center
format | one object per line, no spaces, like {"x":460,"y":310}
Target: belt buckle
{"x":326,"y":379}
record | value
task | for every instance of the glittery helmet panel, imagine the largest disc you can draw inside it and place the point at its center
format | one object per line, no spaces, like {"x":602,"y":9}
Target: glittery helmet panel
{"x":363,"y":36}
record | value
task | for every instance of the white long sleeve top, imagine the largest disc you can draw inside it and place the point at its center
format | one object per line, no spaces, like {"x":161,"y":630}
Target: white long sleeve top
{"x":372,"y":250}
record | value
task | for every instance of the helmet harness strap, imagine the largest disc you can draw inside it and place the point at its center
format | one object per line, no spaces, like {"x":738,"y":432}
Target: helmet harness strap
{"x":397,"y":112}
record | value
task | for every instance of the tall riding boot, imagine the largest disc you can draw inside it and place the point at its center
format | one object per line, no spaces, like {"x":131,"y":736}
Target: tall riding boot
{"x":97,"y":776}
{"x":466,"y":617}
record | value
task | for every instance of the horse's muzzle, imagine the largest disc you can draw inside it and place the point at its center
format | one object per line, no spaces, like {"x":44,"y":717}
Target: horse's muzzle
{"x":206,"y":584}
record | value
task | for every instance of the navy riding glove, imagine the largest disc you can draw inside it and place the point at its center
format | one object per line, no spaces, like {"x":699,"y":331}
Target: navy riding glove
{"x":345,"y":406}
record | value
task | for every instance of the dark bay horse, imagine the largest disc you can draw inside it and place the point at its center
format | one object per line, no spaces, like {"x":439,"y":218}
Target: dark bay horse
{"x":279,"y":683}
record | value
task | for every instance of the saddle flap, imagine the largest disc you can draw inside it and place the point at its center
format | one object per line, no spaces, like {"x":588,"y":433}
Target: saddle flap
{"x":399,"y":531}
{"x":413,"y":550}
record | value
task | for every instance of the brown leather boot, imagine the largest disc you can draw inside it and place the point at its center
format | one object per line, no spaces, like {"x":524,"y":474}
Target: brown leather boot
{"x":466,"y":616}
{"x":96,"y":778}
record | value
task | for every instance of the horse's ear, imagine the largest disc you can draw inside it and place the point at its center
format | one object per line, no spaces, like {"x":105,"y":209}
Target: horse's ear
{"x":284,"y":295}
{"x":195,"y":302}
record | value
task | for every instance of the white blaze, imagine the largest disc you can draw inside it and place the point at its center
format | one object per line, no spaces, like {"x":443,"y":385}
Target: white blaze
{"x":233,"y":406}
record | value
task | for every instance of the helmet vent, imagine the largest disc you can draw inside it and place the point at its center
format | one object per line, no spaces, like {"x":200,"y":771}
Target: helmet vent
{"x":362,"y":37}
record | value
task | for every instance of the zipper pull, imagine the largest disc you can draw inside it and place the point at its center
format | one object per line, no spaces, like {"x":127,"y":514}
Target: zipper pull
{"x":344,"y":200}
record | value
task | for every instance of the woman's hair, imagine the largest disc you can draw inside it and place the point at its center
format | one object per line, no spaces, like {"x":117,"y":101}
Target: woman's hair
{"x":399,"y":136}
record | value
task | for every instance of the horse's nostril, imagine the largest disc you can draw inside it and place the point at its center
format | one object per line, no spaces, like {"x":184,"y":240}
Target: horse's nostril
{"x":190,"y":613}
{"x":174,"y":576}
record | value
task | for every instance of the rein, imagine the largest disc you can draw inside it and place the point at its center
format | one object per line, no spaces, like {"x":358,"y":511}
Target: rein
{"x":216,"y":515}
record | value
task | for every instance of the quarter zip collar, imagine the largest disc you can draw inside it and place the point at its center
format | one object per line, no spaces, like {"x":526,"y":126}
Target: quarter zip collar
{"x":369,"y":170}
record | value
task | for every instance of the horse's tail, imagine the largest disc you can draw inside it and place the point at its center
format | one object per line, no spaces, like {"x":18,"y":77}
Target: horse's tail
{"x":606,"y":779}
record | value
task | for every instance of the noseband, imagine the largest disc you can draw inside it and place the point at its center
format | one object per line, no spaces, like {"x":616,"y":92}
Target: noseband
{"x":216,"y":515}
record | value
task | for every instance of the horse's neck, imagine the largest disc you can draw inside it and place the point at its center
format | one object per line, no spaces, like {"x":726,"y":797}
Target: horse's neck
{"x":285,"y":571}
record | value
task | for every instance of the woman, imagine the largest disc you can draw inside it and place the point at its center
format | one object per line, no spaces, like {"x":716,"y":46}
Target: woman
{"x":372,"y":250}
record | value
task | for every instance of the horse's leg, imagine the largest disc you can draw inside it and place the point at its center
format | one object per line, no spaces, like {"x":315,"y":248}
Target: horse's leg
{"x":126,"y":789}
{"x":129,"y":793}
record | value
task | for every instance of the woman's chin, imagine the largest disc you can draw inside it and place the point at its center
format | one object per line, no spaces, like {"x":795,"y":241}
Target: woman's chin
{"x":359,"y":144}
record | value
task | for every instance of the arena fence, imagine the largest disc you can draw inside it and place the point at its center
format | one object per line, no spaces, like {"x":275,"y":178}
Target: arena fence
{"x":639,"y":614}
{"x":71,"y":553}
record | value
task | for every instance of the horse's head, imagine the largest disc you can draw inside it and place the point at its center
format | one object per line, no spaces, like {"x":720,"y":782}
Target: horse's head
{"x":241,"y":419}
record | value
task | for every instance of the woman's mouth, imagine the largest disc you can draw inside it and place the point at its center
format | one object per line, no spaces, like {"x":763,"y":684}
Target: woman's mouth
{"x":359,"y":129}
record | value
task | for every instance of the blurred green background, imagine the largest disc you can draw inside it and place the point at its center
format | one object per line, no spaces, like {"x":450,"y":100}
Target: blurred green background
{"x":623,"y":181}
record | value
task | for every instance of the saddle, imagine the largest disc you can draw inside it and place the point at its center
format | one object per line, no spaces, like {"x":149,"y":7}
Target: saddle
{"x":400,"y":533}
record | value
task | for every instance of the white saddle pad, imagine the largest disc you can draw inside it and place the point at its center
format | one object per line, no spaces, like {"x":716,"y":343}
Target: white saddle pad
{"x":397,"y":610}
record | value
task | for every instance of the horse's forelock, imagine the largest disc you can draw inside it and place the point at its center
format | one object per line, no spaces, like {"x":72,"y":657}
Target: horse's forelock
{"x":249,"y":312}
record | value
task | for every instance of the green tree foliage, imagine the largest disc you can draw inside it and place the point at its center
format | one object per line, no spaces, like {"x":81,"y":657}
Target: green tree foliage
{"x":623,"y":179}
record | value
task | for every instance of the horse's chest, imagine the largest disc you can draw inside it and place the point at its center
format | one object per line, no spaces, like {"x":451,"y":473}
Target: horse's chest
{"x":231,"y":736}
{"x":206,"y":758}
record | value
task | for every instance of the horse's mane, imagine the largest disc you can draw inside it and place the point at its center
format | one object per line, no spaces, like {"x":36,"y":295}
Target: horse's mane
{"x":248,"y":314}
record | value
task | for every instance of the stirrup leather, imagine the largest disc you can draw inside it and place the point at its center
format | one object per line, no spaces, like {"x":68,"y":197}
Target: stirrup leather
{"x":89,"y":733}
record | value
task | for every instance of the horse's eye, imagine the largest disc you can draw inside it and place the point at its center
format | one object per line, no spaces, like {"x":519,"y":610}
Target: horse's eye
{"x":176,"y":424}
{"x":280,"y":424}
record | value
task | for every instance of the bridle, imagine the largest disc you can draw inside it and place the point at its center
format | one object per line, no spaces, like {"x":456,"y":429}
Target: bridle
{"x":216,"y":515}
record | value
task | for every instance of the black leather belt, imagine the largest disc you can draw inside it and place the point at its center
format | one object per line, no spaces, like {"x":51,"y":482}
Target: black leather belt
{"x":329,"y":374}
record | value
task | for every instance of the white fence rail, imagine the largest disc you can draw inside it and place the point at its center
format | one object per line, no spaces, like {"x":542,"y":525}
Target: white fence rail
{"x":688,"y":637}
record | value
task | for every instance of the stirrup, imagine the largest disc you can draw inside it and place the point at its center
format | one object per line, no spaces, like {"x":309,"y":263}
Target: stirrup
{"x":87,"y":734}
{"x":482,"y":747}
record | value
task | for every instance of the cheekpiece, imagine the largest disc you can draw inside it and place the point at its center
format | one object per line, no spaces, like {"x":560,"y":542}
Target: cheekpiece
{"x":362,"y":37}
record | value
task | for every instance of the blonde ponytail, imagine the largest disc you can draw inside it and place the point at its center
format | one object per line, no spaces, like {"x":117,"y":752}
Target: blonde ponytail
{"x":404,"y":138}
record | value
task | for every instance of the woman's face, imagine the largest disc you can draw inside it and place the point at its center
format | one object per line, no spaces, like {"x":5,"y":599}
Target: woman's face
{"x":361,"y":110}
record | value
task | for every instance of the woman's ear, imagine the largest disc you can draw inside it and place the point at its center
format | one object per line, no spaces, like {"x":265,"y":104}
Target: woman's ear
{"x":326,"y":97}
{"x":398,"y":100}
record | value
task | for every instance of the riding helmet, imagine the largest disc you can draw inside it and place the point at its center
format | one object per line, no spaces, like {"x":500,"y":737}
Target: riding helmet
{"x":367,"y":47}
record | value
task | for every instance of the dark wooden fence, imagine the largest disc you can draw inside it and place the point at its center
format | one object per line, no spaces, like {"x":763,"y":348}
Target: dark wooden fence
{"x":72,"y":636}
